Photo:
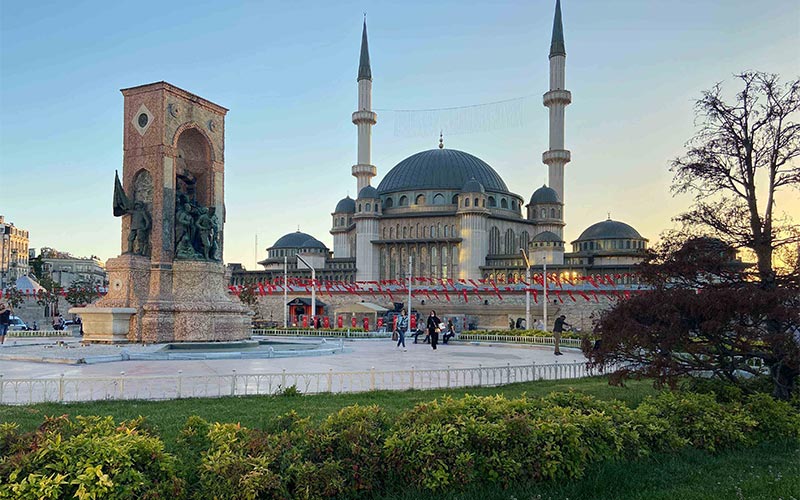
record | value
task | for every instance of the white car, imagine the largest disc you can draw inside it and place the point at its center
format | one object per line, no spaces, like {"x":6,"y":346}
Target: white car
{"x":17,"y":324}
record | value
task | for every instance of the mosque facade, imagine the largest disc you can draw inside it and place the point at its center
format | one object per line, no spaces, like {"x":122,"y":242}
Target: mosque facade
{"x":447,"y":214}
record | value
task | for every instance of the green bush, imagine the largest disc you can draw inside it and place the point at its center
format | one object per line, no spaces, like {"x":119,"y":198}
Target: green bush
{"x":90,"y":458}
{"x":700,"y":419}
{"x":776,"y":419}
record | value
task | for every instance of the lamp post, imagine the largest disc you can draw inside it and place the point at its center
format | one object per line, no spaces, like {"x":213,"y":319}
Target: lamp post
{"x":408,"y":317}
{"x":527,"y":289}
{"x":313,"y":291}
{"x":285,"y":306}
{"x":544,"y":303}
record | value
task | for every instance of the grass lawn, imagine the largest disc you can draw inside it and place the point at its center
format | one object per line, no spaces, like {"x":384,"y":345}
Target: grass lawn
{"x":767,"y":471}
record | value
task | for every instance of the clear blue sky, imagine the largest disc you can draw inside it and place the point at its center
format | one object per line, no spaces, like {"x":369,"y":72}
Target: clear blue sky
{"x":287,"y":72}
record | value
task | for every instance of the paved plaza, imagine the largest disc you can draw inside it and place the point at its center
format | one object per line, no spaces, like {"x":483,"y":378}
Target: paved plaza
{"x":359,"y":355}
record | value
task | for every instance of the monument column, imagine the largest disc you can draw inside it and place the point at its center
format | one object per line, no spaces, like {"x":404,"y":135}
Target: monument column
{"x":170,"y":276}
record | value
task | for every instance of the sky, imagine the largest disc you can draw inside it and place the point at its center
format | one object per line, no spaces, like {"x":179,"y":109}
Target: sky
{"x":287,"y":72}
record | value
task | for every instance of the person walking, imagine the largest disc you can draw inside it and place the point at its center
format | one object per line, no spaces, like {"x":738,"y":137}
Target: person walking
{"x":558,"y":328}
{"x":5,"y":322}
{"x":434,"y":329}
{"x":450,"y":332}
{"x":402,"y":326}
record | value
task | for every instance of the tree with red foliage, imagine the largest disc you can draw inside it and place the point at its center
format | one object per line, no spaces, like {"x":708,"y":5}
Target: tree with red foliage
{"x":704,"y":310}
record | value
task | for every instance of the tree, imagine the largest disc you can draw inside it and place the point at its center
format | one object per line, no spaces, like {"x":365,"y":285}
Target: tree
{"x":706,"y":310}
{"x":14,"y":297}
{"x":743,"y":152}
{"x":249,"y":296}
{"x":81,"y":292}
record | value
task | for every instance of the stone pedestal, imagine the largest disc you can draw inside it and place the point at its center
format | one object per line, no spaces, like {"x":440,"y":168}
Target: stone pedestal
{"x":108,"y":325}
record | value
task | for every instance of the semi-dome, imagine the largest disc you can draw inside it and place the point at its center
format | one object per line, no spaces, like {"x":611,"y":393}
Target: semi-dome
{"x":544,"y":195}
{"x":346,"y":206}
{"x":446,"y":169}
{"x":547,"y":236}
{"x":473,"y":186}
{"x":297,"y":240}
{"x":367,"y":192}
{"x":609,"y":230}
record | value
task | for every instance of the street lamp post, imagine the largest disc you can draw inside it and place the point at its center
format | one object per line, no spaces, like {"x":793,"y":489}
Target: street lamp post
{"x":544,"y":304}
{"x":313,"y":291}
{"x":285,"y":306}
{"x":408,"y":316}
{"x":527,"y":289}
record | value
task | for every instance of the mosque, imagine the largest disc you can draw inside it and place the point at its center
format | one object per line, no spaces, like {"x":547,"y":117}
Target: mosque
{"x":448,"y":214}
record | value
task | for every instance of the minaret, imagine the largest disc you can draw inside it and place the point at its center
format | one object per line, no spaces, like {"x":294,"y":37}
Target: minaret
{"x":557,"y":99}
{"x":364,"y":118}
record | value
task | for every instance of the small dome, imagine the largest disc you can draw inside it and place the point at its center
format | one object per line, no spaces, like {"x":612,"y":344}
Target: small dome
{"x":547,"y":236}
{"x":544,"y":195}
{"x":609,"y":230}
{"x":367,"y":192}
{"x":346,"y":206}
{"x":297,"y":240}
{"x":473,"y":186}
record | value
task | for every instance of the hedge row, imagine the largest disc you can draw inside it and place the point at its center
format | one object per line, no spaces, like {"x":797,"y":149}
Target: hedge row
{"x":440,"y":445}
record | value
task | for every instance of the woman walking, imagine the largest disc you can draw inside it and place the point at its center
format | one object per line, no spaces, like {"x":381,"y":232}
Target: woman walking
{"x":402,"y":326}
{"x":433,"y":329}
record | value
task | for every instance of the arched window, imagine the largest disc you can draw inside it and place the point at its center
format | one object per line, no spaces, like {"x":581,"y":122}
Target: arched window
{"x":420,"y":199}
{"x":455,"y":199}
{"x":359,"y":207}
{"x":513,"y":204}
{"x":384,"y":233}
{"x":369,"y":207}
{"x":477,"y":203}
{"x":544,"y":213}
{"x":405,"y":232}
{"x":446,"y":230}
{"x":403,"y":201}
{"x":438,"y":199}
{"x":503,"y":203}
{"x":445,"y":263}
{"x":466,"y":202}
{"x":424,"y":231}
{"x":454,"y":257}
{"x":524,"y":240}
{"x":376,"y":208}
{"x":342,"y":221}
{"x":438,"y":230}
{"x":511,"y":247}
{"x":494,"y":240}
{"x":492,"y":202}
{"x":393,"y":264}
{"x":391,"y":233}
{"x":389,"y":203}
{"x":552,"y":213}
{"x":435,"y":263}
{"x":423,"y":261}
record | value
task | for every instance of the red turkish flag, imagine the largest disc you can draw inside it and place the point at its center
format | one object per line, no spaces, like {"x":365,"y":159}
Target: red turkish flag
{"x":340,"y":322}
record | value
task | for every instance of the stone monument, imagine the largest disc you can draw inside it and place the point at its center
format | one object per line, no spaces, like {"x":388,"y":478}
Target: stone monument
{"x":169,"y":283}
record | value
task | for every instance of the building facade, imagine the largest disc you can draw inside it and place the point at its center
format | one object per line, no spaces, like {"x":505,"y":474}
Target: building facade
{"x":13,"y":253}
{"x":65,"y":268}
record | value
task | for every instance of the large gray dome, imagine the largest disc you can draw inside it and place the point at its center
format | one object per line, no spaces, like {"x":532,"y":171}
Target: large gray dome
{"x":297,"y":240}
{"x":609,"y":230}
{"x":440,"y":169}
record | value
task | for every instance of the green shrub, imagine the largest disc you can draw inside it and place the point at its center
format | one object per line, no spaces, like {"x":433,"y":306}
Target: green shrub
{"x":701,"y":419}
{"x":776,"y":419}
{"x":90,"y":458}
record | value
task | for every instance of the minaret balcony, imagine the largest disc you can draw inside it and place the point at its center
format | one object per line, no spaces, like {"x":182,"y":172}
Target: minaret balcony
{"x":364,"y":169}
{"x":556,"y":97}
{"x":365,"y":116}
{"x":556,"y":156}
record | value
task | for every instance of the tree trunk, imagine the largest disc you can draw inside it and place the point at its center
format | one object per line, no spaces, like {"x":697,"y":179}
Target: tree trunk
{"x":784,"y":380}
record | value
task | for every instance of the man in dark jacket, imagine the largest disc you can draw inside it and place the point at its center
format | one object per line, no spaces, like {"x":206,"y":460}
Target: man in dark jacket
{"x":558,"y":328}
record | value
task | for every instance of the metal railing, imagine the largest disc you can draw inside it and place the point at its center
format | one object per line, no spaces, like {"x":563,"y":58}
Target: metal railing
{"x":40,"y":333}
{"x":517,"y":339}
{"x":162,"y":387}
{"x":321,"y":333}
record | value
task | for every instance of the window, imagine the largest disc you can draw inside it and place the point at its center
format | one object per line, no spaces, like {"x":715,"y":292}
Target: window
{"x":438,"y":199}
{"x":405,"y":232}
{"x":494,"y":240}
{"x":477,"y":203}
{"x":544,"y":213}
{"x":492,"y":202}
{"x":403,"y":201}
{"x":552,"y":213}
{"x":420,"y":199}
{"x":359,"y":207}
{"x":455,"y":199}
{"x":466,"y":202}
{"x":510,"y":242}
{"x":504,"y":203}
{"x":389,"y":203}
{"x":369,"y":207}
{"x":513,"y":204}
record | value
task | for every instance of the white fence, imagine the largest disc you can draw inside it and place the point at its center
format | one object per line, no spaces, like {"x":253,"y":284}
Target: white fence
{"x":160,"y":387}
{"x":40,"y":333}
{"x":320,"y":333}
{"x":517,"y":339}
